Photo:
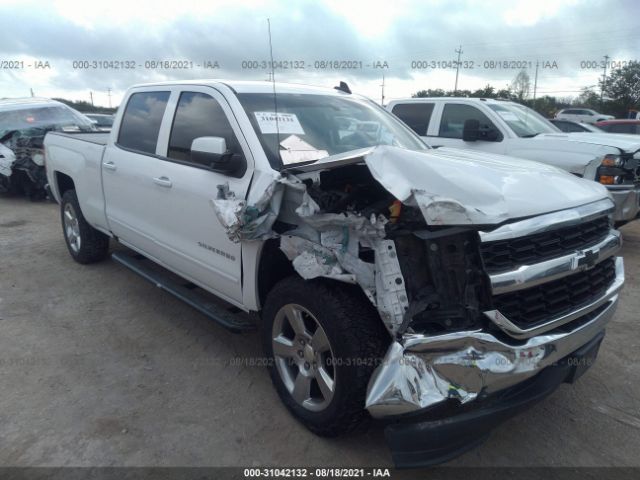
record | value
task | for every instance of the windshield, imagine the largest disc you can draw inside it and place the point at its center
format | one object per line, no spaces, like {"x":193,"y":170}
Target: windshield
{"x":311,"y":127}
{"x":58,"y":116}
{"x":522,"y":120}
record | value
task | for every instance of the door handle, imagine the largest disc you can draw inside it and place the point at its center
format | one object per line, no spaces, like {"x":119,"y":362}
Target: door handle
{"x":109,"y":165}
{"x":162,"y":181}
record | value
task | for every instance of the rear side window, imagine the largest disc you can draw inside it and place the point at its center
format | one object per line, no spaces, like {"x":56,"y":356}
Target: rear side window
{"x":454,"y":116}
{"x":621,"y":128}
{"x":415,"y":115}
{"x":141,"y":121}
{"x":198,"y":115}
{"x":572,"y":127}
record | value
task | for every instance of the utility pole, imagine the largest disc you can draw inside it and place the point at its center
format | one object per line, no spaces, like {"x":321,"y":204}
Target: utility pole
{"x":535,"y":85}
{"x":109,"y":95}
{"x":459,"y":52}
{"x":604,"y":79}
{"x":382,"y":96}
{"x":91,"y":95}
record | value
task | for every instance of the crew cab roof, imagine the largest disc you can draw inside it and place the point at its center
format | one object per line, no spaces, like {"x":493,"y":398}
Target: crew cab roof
{"x":240,"y":86}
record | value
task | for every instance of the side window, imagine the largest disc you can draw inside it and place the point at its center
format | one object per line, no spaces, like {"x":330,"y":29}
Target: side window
{"x":454,"y":116}
{"x":198,"y":115}
{"x":572,"y":127}
{"x":622,"y":128}
{"x":141,"y":121}
{"x":415,"y":115}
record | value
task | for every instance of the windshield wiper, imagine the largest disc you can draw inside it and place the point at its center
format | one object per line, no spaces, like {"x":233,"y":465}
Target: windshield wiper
{"x":531,"y":135}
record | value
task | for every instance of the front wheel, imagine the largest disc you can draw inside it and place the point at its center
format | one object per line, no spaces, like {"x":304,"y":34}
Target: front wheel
{"x":323,"y":341}
{"x":85,"y":243}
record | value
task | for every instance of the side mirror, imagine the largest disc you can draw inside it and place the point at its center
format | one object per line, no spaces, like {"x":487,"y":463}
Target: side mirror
{"x":212,"y":151}
{"x":471,"y":130}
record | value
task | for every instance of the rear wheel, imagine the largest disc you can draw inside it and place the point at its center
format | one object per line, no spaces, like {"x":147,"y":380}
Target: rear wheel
{"x":323,"y":341}
{"x":85,"y":243}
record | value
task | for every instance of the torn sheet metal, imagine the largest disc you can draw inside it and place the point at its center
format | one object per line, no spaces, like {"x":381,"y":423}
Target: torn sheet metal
{"x":335,"y":258}
{"x":252,"y":219}
{"x":419,"y":371}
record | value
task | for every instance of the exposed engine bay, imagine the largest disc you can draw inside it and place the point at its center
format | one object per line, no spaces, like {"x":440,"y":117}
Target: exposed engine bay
{"x":342,"y":223}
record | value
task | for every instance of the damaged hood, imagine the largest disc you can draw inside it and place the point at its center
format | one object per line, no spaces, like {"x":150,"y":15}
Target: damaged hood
{"x":463,"y":187}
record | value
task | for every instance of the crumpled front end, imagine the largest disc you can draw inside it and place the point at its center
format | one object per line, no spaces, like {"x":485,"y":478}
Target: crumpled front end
{"x":554,"y":283}
{"x":22,"y":163}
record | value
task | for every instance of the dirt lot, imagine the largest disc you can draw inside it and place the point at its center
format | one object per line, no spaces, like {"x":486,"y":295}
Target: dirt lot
{"x":99,"y":367}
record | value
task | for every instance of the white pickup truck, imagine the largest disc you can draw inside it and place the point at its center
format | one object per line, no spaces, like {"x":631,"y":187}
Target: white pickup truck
{"x":438,"y":291}
{"x":512,"y":129}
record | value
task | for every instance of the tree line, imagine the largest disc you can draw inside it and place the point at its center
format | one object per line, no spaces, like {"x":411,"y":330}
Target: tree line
{"x":621,"y":93}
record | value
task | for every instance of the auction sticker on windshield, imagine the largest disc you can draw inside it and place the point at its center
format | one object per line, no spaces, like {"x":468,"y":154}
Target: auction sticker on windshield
{"x":286,"y":123}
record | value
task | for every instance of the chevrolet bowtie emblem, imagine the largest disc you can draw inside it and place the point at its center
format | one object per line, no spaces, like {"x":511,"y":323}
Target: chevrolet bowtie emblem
{"x":585,"y":259}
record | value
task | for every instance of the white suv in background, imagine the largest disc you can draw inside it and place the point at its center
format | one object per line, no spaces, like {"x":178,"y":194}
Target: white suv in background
{"x":582,"y":115}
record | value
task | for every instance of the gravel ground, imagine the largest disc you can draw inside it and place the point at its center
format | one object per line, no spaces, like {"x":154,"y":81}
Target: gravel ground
{"x":100,"y":368}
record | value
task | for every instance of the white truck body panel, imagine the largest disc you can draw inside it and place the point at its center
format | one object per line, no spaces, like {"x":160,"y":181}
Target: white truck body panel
{"x":577,"y":153}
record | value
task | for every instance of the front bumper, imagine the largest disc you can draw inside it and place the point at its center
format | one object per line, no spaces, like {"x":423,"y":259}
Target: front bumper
{"x":627,"y":200}
{"x":421,"y":371}
{"x":428,"y":439}
{"x":461,"y":371}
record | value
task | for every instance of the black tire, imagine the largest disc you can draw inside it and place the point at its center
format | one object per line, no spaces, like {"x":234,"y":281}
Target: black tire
{"x":93,"y":245}
{"x":358,"y":341}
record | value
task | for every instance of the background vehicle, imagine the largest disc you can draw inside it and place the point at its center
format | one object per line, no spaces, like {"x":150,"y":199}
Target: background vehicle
{"x":582,"y":115}
{"x":620,"y":126}
{"x":377,"y":264}
{"x":509,"y":128}
{"x":23,"y":125}
{"x":102,"y":121}
{"x":569,"y":126}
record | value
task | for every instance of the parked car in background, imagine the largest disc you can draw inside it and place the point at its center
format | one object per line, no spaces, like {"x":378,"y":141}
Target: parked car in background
{"x":620,"y":126}
{"x":102,"y":121}
{"x":441,"y":291}
{"x":569,"y":126}
{"x":582,"y":115}
{"x":499,"y":126}
{"x":23,"y":124}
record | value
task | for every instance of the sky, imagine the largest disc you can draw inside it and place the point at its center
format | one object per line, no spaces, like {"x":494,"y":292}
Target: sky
{"x":75,"y":49}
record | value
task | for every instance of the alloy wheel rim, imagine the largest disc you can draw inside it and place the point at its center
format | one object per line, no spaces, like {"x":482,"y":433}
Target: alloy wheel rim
{"x":72,"y":228}
{"x":303,"y":357}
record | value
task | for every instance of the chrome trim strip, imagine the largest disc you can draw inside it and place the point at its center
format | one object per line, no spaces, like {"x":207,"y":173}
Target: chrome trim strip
{"x":516,"y":332}
{"x":550,"y":221}
{"x":527,"y":276}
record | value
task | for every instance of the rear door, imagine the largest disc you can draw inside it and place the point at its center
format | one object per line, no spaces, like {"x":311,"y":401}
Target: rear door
{"x":127,"y":171}
{"x":416,"y":115}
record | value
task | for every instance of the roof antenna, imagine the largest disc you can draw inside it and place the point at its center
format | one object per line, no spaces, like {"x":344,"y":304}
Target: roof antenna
{"x":343,"y":87}
{"x":275,"y":98}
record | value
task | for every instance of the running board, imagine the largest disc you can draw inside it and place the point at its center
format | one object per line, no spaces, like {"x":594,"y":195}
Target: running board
{"x":235,"y":322}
